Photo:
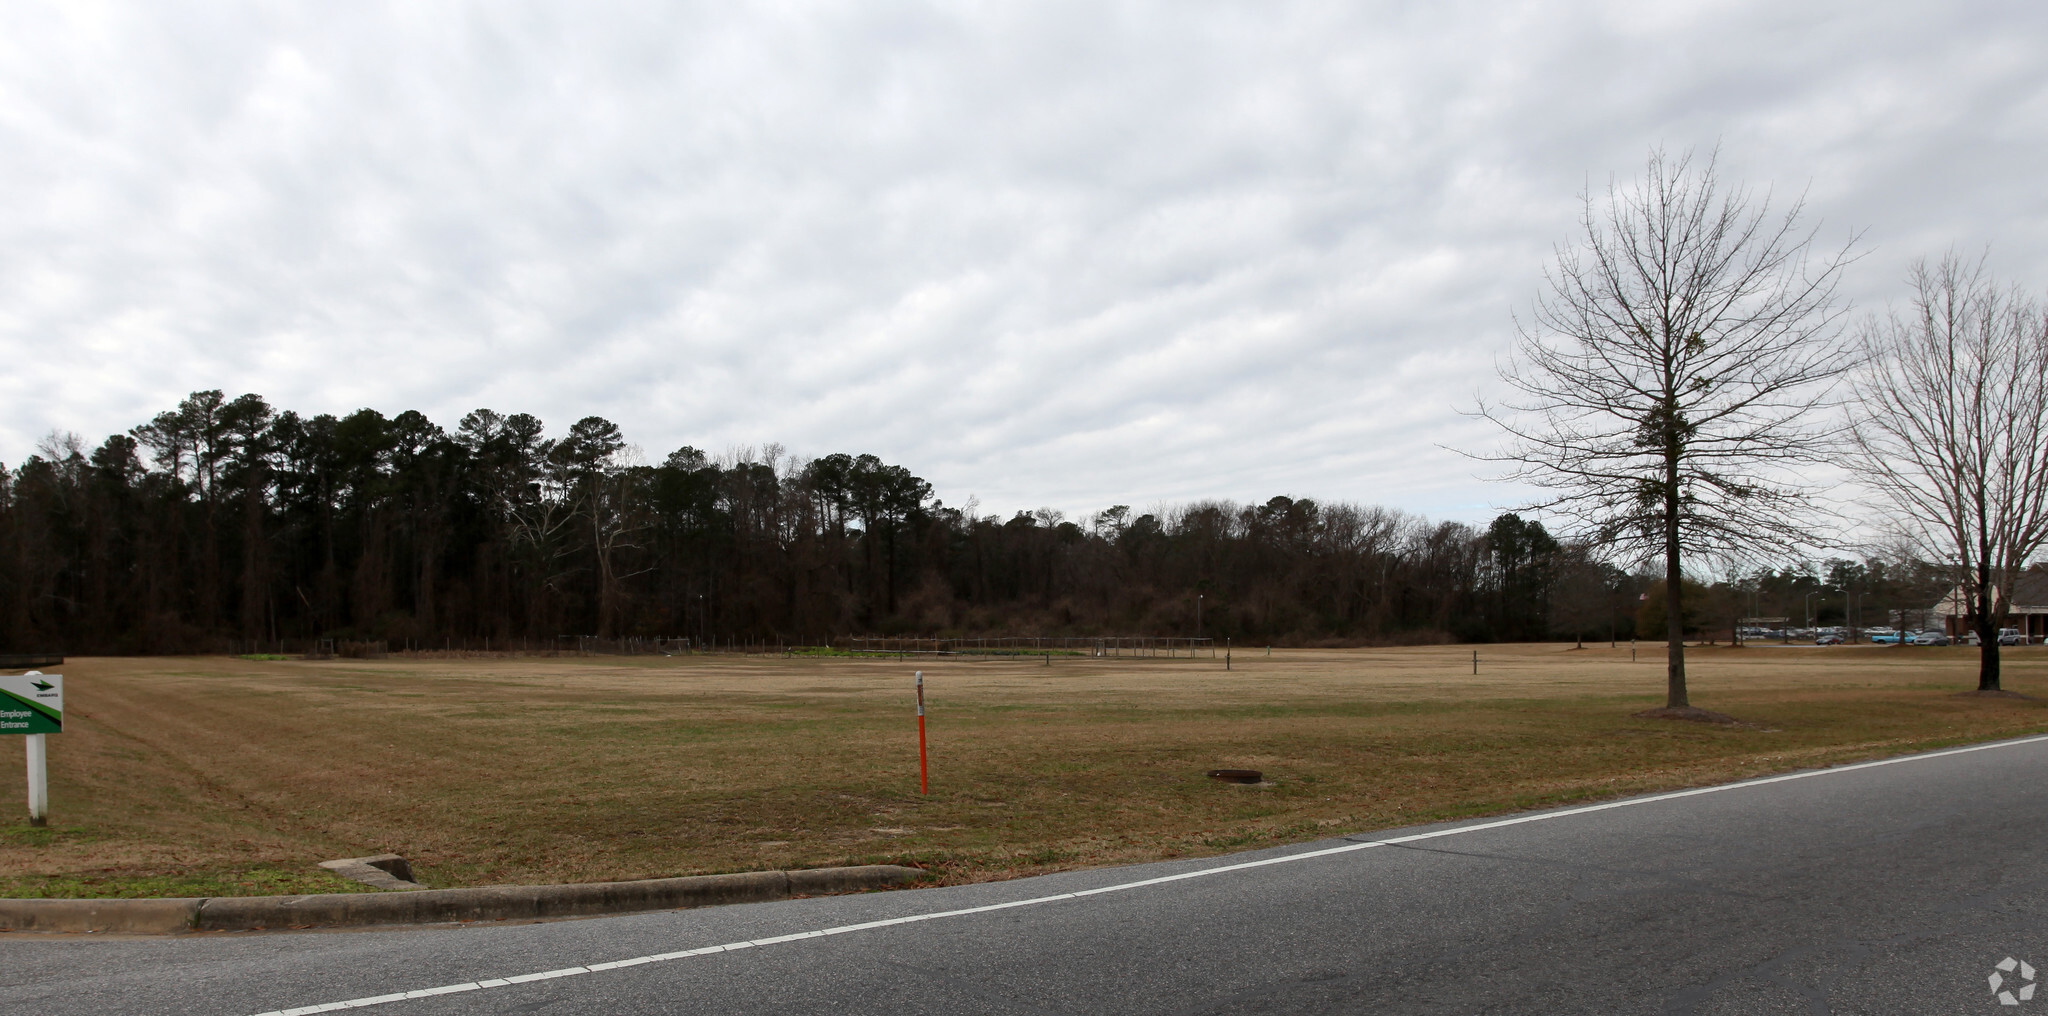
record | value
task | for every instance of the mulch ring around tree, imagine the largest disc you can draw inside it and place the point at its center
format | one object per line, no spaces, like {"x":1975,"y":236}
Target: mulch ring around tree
{"x":1692,"y":714}
{"x":1995,"y":693}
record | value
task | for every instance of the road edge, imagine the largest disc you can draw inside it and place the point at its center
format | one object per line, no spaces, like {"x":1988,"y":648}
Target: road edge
{"x":437,"y":906}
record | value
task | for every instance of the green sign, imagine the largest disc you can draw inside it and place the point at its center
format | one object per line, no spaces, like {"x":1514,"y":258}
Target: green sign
{"x":32,"y":704}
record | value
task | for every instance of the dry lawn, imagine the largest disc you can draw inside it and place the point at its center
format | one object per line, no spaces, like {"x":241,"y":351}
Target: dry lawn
{"x":219,"y":776}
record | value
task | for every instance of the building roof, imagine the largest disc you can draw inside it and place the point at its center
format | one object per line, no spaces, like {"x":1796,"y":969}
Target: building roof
{"x":2029,"y":595}
{"x":2031,"y":589}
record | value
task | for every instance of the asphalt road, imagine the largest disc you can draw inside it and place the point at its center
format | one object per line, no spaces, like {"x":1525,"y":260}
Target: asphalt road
{"x":1886,"y":889}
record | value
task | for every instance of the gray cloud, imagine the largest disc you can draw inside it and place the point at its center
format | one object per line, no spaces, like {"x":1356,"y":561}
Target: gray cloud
{"x":1045,"y":254}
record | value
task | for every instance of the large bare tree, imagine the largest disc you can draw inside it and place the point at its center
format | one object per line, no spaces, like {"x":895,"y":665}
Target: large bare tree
{"x":1953,"y":416}
{"x":1670,"y":373}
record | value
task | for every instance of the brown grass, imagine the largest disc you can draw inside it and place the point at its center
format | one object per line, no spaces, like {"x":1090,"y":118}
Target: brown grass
{"x":208,"y":775}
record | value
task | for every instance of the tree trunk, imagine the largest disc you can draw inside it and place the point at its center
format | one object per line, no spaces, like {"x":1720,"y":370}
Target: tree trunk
{"x":1987,"y":659}
{"x":889,"y":578}
{"x":1674,"y":594}
{"x":1986,"y":621}
{"x":429,"y":567}
{"x":255,"y":581}
{"x":600,"y":544}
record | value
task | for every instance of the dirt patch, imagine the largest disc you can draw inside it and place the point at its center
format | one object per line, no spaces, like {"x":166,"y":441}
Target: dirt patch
{"x":1997,"y":693}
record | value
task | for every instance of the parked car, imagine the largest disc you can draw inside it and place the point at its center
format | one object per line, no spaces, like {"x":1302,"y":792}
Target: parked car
{"x":1930,"y":638}
{"x":2011,"y":637}
{"x":1885,"y":637}
{"x":1828,"y":640}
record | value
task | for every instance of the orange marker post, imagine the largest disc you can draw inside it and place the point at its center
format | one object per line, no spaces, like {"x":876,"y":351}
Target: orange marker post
{"x":924,"y":775}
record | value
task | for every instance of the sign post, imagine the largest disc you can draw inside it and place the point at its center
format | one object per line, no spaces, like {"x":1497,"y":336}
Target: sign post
{"x":33,"y":704}
{"x":38,"y":780}
{"x":924,"y":777}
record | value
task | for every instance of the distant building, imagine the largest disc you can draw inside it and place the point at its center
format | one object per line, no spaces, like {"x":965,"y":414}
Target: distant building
{"x":2028,"y":612}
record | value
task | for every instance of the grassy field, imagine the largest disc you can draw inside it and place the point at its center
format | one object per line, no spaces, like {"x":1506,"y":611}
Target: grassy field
{"x":223,"y":776}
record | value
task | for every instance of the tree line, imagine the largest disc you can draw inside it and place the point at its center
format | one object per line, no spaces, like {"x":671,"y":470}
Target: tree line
{"x":226,"y":521}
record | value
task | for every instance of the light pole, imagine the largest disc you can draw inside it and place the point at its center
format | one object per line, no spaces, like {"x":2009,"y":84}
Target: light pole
{"x":1198,"y":615}
{"x":1809,"y":607}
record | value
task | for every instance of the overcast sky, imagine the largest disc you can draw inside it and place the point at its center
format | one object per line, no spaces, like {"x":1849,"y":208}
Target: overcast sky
{"x":1058,"y":254}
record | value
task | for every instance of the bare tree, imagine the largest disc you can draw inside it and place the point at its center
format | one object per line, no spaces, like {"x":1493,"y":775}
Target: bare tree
{"x":1584,"y":597}
{"x":1669,"y":377}
{"x":1954,"y":417}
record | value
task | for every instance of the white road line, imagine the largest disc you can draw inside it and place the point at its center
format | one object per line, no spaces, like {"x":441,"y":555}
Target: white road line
{"x":360,"y":1003}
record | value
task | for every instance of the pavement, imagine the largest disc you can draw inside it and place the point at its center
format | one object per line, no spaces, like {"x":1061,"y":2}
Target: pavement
{"x":1890,"y":888}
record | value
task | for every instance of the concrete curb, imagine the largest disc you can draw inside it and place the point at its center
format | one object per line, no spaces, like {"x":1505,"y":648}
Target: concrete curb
{"x":124,"y":917}
{"x":437,"y":906}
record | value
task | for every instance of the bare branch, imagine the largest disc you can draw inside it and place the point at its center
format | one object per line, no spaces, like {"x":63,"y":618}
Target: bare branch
{"x":1670,"y":380}
{"x":1953,"y":418}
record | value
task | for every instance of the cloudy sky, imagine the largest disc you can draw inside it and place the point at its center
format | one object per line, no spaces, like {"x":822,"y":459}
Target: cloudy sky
{"x":1060,"y":254}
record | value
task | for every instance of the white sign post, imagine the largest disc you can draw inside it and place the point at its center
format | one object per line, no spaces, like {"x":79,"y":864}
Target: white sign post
{"x":33,"y":704}
{"x":38,"y":780}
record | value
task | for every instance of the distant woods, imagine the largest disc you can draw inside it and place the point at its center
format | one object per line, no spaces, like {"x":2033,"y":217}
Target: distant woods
{"x":226,"y":520}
